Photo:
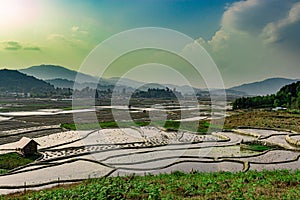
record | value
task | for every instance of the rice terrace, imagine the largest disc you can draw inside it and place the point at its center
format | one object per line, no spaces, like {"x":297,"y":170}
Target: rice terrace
{"x":156,"y":99}
{"x":68,"y":155}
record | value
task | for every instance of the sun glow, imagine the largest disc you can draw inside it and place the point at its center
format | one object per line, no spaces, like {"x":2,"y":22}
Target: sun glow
{"x":16,"y":12}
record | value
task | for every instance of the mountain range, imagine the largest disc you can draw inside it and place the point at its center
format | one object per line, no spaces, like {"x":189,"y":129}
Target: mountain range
{"x":65,"y":78}
{"x":61,"y":77}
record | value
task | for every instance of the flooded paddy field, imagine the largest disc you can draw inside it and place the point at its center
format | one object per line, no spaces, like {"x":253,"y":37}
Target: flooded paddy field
{"x":72,"y":155}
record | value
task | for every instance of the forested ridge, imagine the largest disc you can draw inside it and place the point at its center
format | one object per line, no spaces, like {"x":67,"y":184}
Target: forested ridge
{"x":288,"y":96}
{"x":15,"y":83}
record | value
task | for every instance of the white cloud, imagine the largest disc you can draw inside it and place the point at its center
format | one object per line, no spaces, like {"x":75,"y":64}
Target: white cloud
{"x":62,"y":39}
{"x":253,"y":15}
{"x":18,"y":46}
{"x":275,"y":21}
{"x":56,"y":36}
{"x":255,"y":40}
{"x":285,"y":31}
{"x":219,"y":40}
{"x":75,"y":28}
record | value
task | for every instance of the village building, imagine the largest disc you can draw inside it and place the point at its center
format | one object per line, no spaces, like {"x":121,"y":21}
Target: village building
{"x":27,"y":146}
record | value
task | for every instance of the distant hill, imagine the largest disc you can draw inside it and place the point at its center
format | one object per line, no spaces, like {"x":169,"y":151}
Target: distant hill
{"x":268,"y":86}
{"x":185,"y":89}
{"x":47,"y":72}
{"x":12,"y":81}
{"x":287,"y":97}
{"x":64,"y":83}
{"x":64,"y":78}
{"x":61,"y":83}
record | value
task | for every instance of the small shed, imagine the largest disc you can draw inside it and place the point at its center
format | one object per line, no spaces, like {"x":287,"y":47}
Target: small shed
{"x":27,"y":146}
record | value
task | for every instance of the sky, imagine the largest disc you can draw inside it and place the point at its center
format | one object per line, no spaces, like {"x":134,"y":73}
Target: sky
{"x":249,"y":40}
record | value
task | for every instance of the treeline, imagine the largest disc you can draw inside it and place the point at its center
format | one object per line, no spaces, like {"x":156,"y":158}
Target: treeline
{"x":92,"y":93}
{"x":150,"y":93}
{"x":288,"y":97}
{"x":158,"y":93}
{"x":38,"y":93}
{"x":56,"y":93}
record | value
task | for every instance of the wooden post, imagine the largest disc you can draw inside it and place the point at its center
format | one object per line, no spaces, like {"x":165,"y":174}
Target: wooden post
{"x":25,"y":187}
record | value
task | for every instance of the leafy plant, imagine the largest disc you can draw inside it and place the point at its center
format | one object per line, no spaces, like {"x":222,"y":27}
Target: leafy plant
{"x":278,"y":184}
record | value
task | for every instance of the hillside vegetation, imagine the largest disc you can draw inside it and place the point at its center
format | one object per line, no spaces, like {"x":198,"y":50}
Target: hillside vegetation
{"x":288,"y":96}
{"x":14,"y":83}
{"x":263,"y":119}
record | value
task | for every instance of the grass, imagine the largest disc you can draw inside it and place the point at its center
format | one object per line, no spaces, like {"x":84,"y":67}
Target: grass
{"x":13,"y":160}
{"x":169,"y":125}
{"x":201,"y":127}
{"x":294,"y":111}
{"x":3,"y":171}
{"x":264,"y":119}
{"x":255,"y":147}
{"x":103,"y":125}
{"x":256,"y":118}
{"x":31,"y":104}
{"x":76,"y":107}
{"x":280,"y":184}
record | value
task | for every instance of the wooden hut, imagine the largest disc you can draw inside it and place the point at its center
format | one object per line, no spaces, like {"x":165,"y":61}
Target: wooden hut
{"x":27,"y":146}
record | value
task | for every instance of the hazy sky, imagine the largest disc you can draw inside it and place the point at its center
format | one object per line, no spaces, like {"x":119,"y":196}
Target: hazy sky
{"x":249,"y":40}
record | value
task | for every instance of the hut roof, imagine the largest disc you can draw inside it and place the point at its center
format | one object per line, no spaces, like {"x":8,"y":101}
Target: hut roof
{"x":24,"y":141}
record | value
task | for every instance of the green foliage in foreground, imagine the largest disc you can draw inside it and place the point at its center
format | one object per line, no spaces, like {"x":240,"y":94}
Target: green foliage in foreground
{"x":12,"y":160}
{"x":169,"y":125}
{"x":281,"y":184}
